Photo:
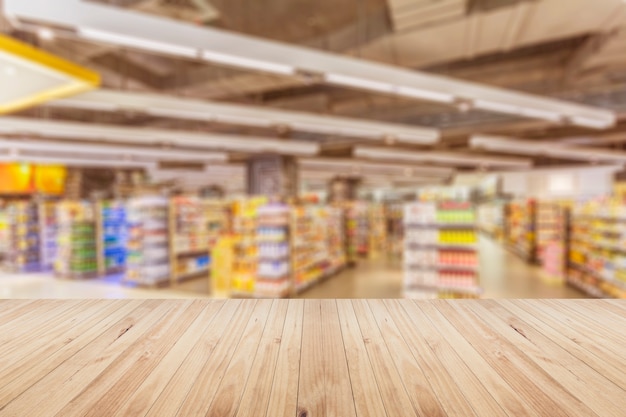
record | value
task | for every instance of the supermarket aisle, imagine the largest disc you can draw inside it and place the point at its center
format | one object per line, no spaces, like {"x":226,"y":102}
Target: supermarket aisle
{"x":503,"y":275}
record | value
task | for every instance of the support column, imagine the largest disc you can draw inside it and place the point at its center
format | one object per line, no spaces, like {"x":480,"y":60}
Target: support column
{"x":275,"y":176}
{"x":341,"y":189}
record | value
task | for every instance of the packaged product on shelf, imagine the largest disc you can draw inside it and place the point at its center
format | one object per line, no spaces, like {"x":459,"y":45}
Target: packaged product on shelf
{"x":77,"y":255}
{"x":148,"y":241}
{"x":24,"y":243}
{"x":440,"y":256}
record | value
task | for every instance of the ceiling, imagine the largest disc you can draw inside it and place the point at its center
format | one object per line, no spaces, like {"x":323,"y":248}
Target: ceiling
{"x":559,"y":48}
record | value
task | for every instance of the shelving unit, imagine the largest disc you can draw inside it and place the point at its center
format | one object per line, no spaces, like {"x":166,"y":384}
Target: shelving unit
{"x":112,"y":237}
{"x":357,"y":233}
{"x":377,"y":245}
{"x":335,"y":226}
{"x":597,"y":249}
{"x":48,"y":229}
{"x":24,"y":250}
{"x":148,"y":261}
{"x":521,"y":229}
{"x":5,"y":235}
{"x":245,"y":251}
{"x":196,"y":224}
{"x":551,"y":226}
{"x":77,"y":256}
{"x":395,"y":229}
{"x":273,"y":274}
{"x":441,"y":256}
{"x":491,"y":219}
{"x":310,"y":255}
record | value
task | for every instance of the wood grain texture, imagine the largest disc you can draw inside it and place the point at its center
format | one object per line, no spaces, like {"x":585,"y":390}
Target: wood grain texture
{"x":312,"y":358}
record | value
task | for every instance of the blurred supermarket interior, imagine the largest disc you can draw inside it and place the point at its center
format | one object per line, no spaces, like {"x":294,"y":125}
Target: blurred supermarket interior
{"x":313,"y":148}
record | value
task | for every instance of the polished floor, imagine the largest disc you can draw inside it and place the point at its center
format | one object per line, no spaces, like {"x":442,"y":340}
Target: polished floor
{"x":312,"y":358}
{"x":503,"y":275}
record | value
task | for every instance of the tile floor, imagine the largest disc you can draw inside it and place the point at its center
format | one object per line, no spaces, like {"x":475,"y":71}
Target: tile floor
{"x":503,"y":275}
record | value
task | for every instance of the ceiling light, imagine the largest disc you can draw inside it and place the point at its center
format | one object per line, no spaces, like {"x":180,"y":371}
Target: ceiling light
{"x":248,"y":63}
{"x":138,"y":43}
{"x":115,"y":149}
{"x":551,"y":149}
{"x":85,"y":162}
{"x":45,"y":34}
{"x":349,"y":81}
{"x":96,"y":132}
{"x":256,"y":116}
{"x":445,"y":158}
{"x":424,"y":94}
{"x":591,"y":123}
{"x":332,"y":165}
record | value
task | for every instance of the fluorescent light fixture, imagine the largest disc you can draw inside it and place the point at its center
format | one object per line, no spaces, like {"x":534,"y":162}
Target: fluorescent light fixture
{"x":83,"y":162}
{"x":444,"y":158}
{"x":134,"y":135}
{"x":137,"y":43}
{"x":360,"y":83}
{"x":256,"y":116}
{"x":249,"y":63}
{"x":45,"y":34}
{"x":541,"y":114}
{"x":122,"y":27}
{"x":332,"y":165}
{"x":114,"y":149}
{"x":424,"y":94}
{"x":551,"y":149}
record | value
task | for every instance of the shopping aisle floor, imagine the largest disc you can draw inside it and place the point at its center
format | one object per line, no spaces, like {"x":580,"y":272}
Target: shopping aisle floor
{"x":503,"y":275}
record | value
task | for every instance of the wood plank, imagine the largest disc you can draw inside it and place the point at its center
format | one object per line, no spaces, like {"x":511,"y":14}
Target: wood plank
{"x":24,"y":373}
{"x":591,"y":357}
{"x":367,"y":397}
{"x":584,"y":382}
{"x":587,"y":328}
{"x":67,"y":380}
{"x":152,"y":376}
{"x":199,"y":365}
{"x":256,"y":395}
{"x":337,"y":388}
{"x":41,"y":336}
{"x":228,"y":396}
{"x":283,"y":400}
{"x":396,"y":399}
{"x":395,"y":328}
{"x":199,"y":400}
{"x":111,"y":387}
{"x":594,"y":319}
{"x":578,"y":337}
{"x":539,"y":389}
{"x":423,"y":397}
{"x":311,"y":401}
{"x":9,"y":306}
{"x":482,"y":385}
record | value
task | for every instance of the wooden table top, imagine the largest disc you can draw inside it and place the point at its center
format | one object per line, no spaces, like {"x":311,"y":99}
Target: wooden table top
{"x":309,"y":358}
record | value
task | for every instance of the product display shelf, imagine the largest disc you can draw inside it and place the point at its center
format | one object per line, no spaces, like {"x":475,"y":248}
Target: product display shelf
{"x":310,"y":255}
{"x":48,"y":230}
{"x":441,"y":257}
{"x":377,"y":231}
{"x":395,"y":229}
{"x":196,"y":225}
{"x":113,"y":235}
{"x":244,"y":246}
{"x":335,"y":226}
{"x":597,"y":254}
{"x":491,"y":219}
{"x":148,"y":261}
{"x":77,"y":256}
{"x":520,"y":229}
{"x":5,"y":236}
{"x":551,"y":232}
{"x":356,"y":230}
{"x":24,"y":250}
{"x":274,"y":273}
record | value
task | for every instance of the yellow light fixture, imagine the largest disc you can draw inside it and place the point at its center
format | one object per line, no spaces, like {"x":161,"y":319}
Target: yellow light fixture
{"x":29,"y":76}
